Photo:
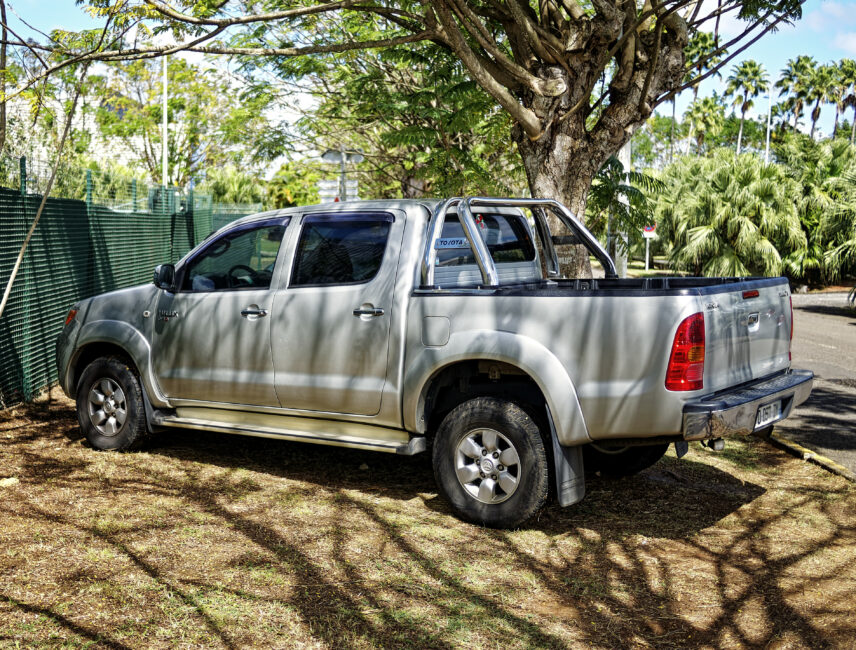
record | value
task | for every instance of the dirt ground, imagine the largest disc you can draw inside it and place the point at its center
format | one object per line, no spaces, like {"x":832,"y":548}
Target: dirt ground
{"x":207,"y":540}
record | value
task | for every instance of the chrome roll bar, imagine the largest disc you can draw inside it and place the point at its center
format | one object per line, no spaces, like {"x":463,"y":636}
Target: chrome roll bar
{"x":482,"y":254}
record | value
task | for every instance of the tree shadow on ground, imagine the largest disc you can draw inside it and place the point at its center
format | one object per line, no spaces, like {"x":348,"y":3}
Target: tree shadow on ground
{"x":684,"y":554}
{"x":825,"y":422}
{"x":830,"y":310}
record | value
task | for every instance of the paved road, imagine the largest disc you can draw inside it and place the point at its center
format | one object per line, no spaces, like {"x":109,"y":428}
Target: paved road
{"x":825,"y":342}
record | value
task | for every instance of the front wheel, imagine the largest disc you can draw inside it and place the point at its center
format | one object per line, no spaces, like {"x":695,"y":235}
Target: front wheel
{"x":490,"y":463}
{"x":110,"y":405}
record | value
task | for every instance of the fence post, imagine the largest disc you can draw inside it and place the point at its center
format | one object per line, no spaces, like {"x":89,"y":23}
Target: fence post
{"x":134,"y":195}
{"x":25,"y":356}
{"x":88,"y":190}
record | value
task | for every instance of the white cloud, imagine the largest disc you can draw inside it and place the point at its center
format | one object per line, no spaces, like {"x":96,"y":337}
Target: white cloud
{"x":846,"y":42}
{"x":830,"y":16}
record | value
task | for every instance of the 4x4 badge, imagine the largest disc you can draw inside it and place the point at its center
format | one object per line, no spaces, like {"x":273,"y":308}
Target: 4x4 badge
{"x":166,"y":315}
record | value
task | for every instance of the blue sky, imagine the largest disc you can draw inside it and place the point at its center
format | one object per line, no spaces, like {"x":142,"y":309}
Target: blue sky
{"x":826,"y":32}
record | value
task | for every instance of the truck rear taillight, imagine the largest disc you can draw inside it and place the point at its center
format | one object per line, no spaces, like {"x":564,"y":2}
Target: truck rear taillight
{"x":791,"y":340}
{"x":686,"y":363}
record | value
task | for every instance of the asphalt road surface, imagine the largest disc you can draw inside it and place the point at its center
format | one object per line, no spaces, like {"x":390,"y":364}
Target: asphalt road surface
{"x":825,"y":342}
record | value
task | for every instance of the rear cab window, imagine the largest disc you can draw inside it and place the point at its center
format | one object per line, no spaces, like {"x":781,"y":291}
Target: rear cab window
{"x":340,"y":248}
{"x":508,"y":238}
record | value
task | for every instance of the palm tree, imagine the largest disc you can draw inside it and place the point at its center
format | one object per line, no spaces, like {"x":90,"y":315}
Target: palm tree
{"x":700,"y":58}
{"x":706,"y":117}
{"x":823,"y":80}
{"x":729,"y":215}
{"x":847,"y":70}
{"x":796,"y":82}
{"x":619,"y":201}
{"x":823,"y":172}
{"x":747,"y":81}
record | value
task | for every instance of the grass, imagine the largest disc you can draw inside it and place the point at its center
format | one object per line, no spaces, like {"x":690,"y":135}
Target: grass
{"x":216,"y":541}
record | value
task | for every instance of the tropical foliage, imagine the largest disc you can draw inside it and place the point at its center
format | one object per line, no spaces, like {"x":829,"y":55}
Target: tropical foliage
{"x":746,"y":82}
{"x":729,"y":215}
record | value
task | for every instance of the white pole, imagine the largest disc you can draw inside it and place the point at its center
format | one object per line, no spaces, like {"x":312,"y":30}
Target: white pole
{"x":624,"y":156}
{"x":164,"y":134}
{"x":647,"y":244}
{"x":769,"y":117}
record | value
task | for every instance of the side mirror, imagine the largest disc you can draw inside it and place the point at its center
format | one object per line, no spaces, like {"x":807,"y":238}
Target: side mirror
{"x":164,"y":277}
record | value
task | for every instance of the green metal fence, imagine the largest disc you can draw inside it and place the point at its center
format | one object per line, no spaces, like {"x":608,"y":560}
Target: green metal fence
{"x":109,"y":238}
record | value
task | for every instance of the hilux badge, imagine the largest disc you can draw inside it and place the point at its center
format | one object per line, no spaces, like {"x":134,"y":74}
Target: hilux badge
{"x":165,"y":315}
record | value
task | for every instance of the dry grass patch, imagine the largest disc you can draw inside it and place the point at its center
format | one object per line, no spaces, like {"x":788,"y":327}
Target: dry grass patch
{"x":210,"y":540}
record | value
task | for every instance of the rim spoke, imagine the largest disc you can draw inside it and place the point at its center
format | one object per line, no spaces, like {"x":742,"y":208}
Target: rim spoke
{"x":469,"y":448}
{"x":95,"y":397}
{"x":507,"y":482}
{"x":110,"y":425}
{"x":98,"y":417}
{"x":468,"y":473}
{"x":120,"y":415}
{"x":107,"y":387}
{"x":489,"y":439}
{"x":119,"y":396}
{"x":487,"y":490}
{"x":509,"y":457}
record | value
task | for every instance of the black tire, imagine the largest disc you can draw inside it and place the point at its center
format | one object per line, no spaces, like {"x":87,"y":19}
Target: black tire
{"x":512,"y":493}
{"x":100,"y":380}
{"x":617,"y":462}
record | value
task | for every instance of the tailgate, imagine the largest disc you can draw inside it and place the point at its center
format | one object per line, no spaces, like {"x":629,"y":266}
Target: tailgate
{"x":747,"y":331}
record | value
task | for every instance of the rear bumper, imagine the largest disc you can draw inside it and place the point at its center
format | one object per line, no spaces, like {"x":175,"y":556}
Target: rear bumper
{"x":734,"y":412}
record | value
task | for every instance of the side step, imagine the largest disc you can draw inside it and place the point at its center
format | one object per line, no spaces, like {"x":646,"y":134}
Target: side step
{"x":286,"y":427}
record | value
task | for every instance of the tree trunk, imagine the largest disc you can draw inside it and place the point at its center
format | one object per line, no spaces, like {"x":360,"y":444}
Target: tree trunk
{"x":853,"y":126}
{"x":3,"y":77}
{"x":815,"y":116}
{"x":740,"y":132}
{"x":561,"y":165}
{"x":835,"y":126}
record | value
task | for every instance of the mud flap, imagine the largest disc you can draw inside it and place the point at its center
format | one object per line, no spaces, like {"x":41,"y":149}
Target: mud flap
{"x":568,"y":469}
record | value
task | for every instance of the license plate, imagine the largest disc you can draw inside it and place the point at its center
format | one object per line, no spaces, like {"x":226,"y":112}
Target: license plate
{"x":768,"y":413}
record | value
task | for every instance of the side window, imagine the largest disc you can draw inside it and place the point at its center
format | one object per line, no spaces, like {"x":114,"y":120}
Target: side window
{"x":241,"y":259}
{"x":506,"y":236}
{"x":341,"y":249}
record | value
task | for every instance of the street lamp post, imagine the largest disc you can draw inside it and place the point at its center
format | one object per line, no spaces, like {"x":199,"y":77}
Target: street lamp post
{"x":165,"y":145}
{"x":769,"y":118}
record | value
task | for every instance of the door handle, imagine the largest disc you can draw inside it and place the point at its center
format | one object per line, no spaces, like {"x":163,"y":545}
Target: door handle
{"x":369,"y":311}
{"x":258,"y":313}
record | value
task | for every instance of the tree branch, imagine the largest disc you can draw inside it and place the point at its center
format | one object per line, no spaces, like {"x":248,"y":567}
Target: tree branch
{"x":545,"y":87}
{"x":527,"y":118}
{"x":689,"y":84}
{"x":165,"y":10}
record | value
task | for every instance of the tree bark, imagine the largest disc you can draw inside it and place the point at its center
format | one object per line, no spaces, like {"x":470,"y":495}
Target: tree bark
{"x":3,"y":76}
{"x":740,"y":132}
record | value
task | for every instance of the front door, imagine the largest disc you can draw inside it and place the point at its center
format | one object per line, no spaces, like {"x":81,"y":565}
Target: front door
{"x":330,"y":326}
{"x":212,"y":336}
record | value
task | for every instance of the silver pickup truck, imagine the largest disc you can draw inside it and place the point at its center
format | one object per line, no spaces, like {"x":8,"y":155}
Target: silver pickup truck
{"x":400,"y":326}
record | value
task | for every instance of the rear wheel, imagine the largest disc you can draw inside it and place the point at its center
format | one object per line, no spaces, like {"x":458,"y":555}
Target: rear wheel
{"x":110,"y":405}
{"x":619,"y":461}
{"x":490,"y":463}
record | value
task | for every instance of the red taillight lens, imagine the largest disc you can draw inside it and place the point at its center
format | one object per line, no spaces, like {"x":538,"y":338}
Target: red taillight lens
{"x":686,"y":363}
{"x":791,"y":340}
{"x":71,"y":314}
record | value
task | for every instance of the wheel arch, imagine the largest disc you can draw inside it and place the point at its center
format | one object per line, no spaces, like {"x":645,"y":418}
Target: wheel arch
{"x":106,"y":338}
{"x":530,"y":366}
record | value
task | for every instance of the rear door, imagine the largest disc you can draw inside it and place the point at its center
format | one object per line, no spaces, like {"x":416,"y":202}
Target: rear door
{"x":748,"y":327}
{"x":330,"y":327}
